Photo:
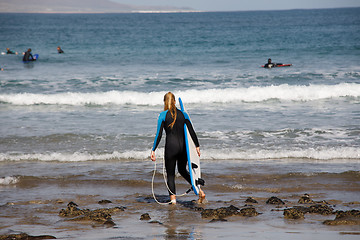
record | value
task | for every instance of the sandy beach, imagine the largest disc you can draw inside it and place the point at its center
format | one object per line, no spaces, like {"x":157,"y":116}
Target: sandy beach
{"x":37,"y":211}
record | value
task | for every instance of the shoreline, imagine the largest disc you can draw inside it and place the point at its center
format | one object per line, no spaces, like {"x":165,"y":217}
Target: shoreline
{"x":169,"y":221}
{"x":33,"y":204}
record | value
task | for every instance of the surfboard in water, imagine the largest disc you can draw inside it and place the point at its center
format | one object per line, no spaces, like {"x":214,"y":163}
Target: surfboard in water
{"x":193,"y":158}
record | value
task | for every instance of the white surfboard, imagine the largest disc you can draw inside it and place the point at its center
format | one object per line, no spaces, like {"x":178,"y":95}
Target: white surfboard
{"x":193,"y":158}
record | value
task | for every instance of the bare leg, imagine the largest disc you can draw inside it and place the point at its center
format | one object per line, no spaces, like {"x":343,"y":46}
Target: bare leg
{"x":173,"y":199}
{"x":201,"y":196}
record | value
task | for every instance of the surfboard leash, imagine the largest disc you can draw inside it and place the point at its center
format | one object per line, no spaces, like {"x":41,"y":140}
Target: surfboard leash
{"x":167,"y":186}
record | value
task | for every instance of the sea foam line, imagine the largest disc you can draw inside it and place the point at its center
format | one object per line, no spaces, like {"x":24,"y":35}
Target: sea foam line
{"x":282,"y":92}
{"x":338,"y":154}
{"x":9,"y":180}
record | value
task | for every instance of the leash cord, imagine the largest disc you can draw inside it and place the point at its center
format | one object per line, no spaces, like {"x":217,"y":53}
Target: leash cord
{"x":165,"y":180}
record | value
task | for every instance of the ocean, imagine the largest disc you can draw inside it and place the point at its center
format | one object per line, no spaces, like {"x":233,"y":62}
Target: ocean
{"x":80,"y":125}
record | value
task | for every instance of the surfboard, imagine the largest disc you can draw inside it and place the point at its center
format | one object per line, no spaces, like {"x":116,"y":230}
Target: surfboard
{"x":192,"y":157}
{"x":279,"y":65}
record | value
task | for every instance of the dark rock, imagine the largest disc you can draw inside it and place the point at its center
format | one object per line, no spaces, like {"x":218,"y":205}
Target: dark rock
{"x":104,"y":201}
{"x":24,"y":236}
{"x":305,"y":199}
{"x":251,"y":200}
{"x":321,"y":209}
{"x":99,"y":215}
{"x":293,"y":213}
{"x":351,"y":217}
{"x":71,"y":210}
{"x":218,"y":220}
{"x":218,"y":213}
{"x":275,"y":201}
{"x":156,"y":222}
{"x":302,"y":209}
{"x":248,"y":212}
{"x":223,"y":212}
{"x":145,"y":216}
{"x":109,"y":223}
{"x":191,"y":205}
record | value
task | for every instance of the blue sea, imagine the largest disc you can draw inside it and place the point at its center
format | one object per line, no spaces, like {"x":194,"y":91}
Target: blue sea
{"x":90,"y":114}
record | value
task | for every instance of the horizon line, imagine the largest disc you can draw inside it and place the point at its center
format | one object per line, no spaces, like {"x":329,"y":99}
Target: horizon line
{"x":174,"y":11}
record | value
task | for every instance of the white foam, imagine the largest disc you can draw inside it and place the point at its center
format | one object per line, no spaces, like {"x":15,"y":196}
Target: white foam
{"x":282,"y":92}
{"x":9,"y":180}
{"x":74,"y":157}
{"x":339,"y":154}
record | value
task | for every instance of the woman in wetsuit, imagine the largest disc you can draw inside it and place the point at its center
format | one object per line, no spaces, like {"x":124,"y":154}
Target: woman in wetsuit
{"x":173,"y":120}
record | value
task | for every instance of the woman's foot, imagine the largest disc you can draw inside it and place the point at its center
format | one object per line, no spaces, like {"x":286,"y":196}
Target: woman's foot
{"x":173,"y":199}
{"x":201,"y":196}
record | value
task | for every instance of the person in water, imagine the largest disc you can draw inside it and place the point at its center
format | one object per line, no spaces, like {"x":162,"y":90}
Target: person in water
{"x":269,"y":64}
{"x":8,"y":51}
{"x":28,"y":56}
{"x":59,"y":50}
{"x":173,"y":120}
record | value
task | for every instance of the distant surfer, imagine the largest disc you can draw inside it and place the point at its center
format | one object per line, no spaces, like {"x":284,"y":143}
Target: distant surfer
{"x":173,"y":120}
{"x":28,"y":56}
{"x":59,"y":50}
{"x":8,"y":51}
{"x":269,"y":64}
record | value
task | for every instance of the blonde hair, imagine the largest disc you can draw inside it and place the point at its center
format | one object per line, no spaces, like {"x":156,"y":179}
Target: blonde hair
{"x":169,"y":104}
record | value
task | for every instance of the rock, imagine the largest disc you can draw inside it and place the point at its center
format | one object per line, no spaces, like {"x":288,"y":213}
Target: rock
{"x":99,"y":215}
{"x":218,"y":213}
{"x":71,"y":211}
{"x":156,"y":222}
{"x":191,"y":205}
{"x":218,"y":220}
{"x":274,"y":200}
{"x":305,"y":199}
{"x":145,"y":216}
{"x":302,"y":209}
{"x":251,"y":200}
{"x":293,"y":213}
{"x":109,"y":223}
{"x":223,"y":212}
{"x":248,"y":212}
{"x":351,"y":217}
{"x":24,"y":236}
{"x":321,"y":209}
{"x":104,"y":202}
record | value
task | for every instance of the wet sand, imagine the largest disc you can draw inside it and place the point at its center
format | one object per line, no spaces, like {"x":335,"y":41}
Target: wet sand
{"x":33,"y":204}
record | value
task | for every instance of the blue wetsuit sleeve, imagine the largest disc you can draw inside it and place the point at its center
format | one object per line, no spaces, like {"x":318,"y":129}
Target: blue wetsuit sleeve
{"x":160,"y":128}
{"x":191,"y":129}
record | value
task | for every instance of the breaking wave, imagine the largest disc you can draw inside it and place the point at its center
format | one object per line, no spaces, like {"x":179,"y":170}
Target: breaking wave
{"x":282,"y":92}
{"x":339,"y":154}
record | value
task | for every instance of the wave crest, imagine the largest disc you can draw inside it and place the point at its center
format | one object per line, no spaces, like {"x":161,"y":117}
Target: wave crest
{"x":282,"y":92}
{"x":339,"y":154}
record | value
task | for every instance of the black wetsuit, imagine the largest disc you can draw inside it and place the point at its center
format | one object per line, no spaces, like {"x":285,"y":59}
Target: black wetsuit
{"x":175,"y":150}
{"x":269,"y":65}
{"x":10,"y":52}
{"x":28,"y":57}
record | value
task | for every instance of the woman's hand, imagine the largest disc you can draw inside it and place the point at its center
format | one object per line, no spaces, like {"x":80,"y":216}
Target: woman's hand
{"x":152,"y":156}
{"x":198,"y":151}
